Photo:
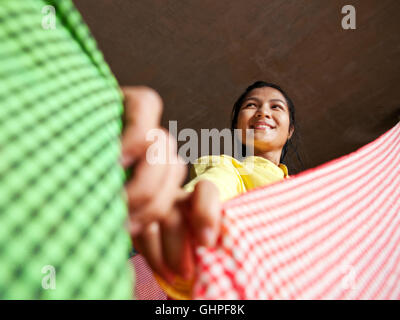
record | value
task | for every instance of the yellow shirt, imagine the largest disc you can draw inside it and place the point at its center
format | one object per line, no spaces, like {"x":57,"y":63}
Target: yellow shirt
{"x":232,"y":177}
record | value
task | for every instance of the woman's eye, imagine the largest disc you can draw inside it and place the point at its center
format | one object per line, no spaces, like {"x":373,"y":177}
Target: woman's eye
{"x":276,"y":107}
{"x":250,"y":105}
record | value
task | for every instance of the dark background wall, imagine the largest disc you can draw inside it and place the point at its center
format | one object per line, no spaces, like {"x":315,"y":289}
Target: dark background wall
{"x":200,"y":55}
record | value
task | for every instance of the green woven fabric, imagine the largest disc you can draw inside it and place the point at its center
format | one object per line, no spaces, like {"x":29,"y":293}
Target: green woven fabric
{"x":61,"y":203}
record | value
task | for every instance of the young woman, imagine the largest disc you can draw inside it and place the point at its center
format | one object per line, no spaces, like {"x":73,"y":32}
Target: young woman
{"x":267,"y":111}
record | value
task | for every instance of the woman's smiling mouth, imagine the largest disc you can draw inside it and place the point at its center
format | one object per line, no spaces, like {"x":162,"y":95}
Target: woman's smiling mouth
{"x":261,"y":125}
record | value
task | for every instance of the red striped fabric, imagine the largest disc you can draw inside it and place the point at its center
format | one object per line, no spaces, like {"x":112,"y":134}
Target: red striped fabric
{"x":146,"y":286}
{"x":332,"y":232}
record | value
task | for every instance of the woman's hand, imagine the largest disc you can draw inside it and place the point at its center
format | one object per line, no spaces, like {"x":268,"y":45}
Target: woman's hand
{"x":194,"y":219}
{"x":165,"y":222}
{"x":152,"y":188}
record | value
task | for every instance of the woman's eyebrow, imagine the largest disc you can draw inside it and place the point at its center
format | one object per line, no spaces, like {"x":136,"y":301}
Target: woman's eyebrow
{"x":278,"y":100}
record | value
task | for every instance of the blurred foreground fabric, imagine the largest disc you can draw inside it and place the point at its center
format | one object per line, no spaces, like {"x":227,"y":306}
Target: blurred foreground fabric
{"x":62,"y":212}
{"x":147,"y":287}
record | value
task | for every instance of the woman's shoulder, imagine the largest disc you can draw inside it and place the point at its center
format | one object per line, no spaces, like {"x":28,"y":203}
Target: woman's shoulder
{"x":219,"y":169}
{"x":223,"y":163}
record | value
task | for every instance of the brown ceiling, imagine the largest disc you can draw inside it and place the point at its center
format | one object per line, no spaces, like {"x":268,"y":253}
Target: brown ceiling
{"x":200,"y":55}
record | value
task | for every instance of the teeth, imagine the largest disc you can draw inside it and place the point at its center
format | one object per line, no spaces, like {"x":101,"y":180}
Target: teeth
{"x":261,"y":127}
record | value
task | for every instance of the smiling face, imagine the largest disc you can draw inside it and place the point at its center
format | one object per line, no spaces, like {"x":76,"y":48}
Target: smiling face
{"x":265,"y":110}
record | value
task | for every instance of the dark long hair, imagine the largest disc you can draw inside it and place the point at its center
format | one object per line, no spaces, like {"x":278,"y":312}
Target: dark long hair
{"x":292,"y":120}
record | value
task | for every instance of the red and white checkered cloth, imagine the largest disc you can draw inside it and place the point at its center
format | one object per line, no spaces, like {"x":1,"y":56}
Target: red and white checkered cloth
{"x":146,"y":286}
{"x":332,"y":232}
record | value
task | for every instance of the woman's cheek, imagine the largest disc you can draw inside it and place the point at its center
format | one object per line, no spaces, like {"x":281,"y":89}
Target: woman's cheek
{"x":283,"y":135}
{"x":242,"y":123}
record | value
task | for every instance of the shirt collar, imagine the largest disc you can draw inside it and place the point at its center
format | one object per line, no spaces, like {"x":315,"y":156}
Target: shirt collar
{"x":258,"y":159}
{"x":284,"y":169}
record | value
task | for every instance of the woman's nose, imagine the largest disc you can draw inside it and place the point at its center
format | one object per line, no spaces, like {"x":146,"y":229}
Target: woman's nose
{"x":264,"y":112}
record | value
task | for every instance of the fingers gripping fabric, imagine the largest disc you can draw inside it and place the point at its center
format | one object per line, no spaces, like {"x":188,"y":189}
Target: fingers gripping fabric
{"x":332,"y":232}
{"x":61,"y":204}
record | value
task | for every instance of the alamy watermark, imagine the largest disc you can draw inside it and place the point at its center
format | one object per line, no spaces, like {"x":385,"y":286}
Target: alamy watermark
{"x":49,"y":18}
{"x":49,"y":279}
{"x":348,"y":281}
{"x":349,"y":20}
{"x":195,"y":146}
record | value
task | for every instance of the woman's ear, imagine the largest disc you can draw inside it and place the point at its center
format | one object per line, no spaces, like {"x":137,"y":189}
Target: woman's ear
{"x":291,"y":130}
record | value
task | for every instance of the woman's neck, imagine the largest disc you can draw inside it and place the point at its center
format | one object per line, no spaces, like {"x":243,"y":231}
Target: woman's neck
{"x":273,"y":156}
